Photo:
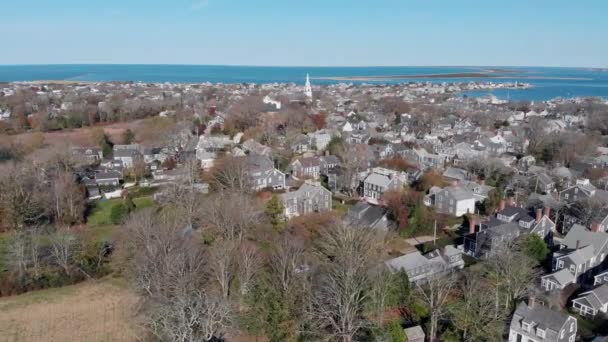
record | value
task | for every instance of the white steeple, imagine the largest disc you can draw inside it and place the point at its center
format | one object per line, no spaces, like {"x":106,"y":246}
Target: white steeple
{"x":308,"y":88}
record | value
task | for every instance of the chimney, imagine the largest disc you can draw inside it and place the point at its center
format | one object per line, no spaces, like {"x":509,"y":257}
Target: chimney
{"x":547,"y":211}
{"x":539,"y":214}
{"x":511,"y":201}
{"x":595,"y":227}
{"x":531,"y":302}
{"x":502,"y":205}
{"x":471,"y":225}
{"x":578,"y":243}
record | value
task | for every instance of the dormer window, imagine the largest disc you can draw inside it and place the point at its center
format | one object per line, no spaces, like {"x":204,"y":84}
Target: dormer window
{"x":525,"y":326}
{"x":540,"y":333}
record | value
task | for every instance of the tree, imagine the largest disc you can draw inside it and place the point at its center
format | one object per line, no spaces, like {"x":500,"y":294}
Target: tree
{"x":276,"y":212}
{"x":229,"y":215}
{"x":435,"y":294}
{"x":535,"y":248}
{"x":170,"y":272}
{"x":470,"y":314}
{"x":341,"y":287}
{"x":64,"y":247}
{"x":128,"y":137}
{"x":512,"y":274}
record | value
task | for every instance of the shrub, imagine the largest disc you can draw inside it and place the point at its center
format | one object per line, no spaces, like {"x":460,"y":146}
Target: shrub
{"x":119,"y":213}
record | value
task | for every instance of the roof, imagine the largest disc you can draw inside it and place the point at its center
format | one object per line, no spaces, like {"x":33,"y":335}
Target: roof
{"x":563,"y":277}
{"x":365,"y":214}
{"x":459,"y":193}
{"x":455,"y":173}
{"x":584,"y":237}
{"x":595,"y":298}
{"x":544,"y":317}
{"x":414,"y":333}
{"x":378,"y":179}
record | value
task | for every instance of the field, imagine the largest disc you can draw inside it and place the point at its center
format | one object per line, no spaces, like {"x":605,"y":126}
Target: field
{"x":90,"y":311}
{"x":100,"y":213}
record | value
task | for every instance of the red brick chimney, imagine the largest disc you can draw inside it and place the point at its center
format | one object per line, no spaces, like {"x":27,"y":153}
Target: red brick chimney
{"x":539,"y":214}
{"x":502,"y":205}
{"x":472,"y":225}
{"x":547,"y":211}
{"x":595,"y":227}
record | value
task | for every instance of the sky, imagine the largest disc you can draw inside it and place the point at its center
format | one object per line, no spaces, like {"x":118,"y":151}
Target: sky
{"x":306,"y":32}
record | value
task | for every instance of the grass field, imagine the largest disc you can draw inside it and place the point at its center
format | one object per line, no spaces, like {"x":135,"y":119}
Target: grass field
{"x":91,"y":311}
{"x":100,"y":214}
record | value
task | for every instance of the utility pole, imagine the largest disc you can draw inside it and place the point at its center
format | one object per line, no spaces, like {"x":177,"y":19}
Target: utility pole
{"x":435,"y":234}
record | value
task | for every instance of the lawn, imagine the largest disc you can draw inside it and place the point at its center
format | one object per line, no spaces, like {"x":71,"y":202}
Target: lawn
{"x":100,"y":213}
{"x":341,"y":209}
{"x":4,"y":238}
{"x":97,"y":310}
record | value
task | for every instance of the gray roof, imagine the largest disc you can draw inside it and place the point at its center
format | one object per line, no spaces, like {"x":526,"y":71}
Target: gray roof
{"x":378,"y":179}
{"x":562,"y":277}
{"x":455,"y":173}
{"x":596,"y":298}
{"x":364,"y":214}
{"x":459,"y":193}
{"x":544,"y":317}
{"x":585,"y":237}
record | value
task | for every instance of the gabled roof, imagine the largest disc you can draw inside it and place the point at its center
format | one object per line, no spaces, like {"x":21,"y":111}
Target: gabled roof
{"x":595,"y":298}
{"x":543,"y":317}
{"x":585,"y":237}
{"x":562,"y":277}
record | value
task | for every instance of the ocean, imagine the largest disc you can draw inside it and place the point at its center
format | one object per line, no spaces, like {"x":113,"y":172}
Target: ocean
{"x":547,"y":83}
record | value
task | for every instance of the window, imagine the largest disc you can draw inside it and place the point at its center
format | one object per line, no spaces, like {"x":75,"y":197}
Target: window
{"x":571,"y":327}
{"x":540,"y":333}
{"x":573,"y":268}
{"x":561,"y":334}
{"x":525,"y":326}
{"x":571,"y":339}
{"x":560,"y":264}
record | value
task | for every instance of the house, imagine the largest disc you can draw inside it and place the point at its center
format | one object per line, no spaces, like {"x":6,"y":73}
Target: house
{"x":108,"y":178}
{"x":253,"y":146}
{"x":310,"y":197}
{"x":583,"y":190}
{"x":305,"y":167}
{"x":320,"y":139}
{"x":423,"y":158}
{"x":510,"y":223}
{"x":208,"y":146}
{"x":580,"y":258}
{"x":592,"y":303}
{"x":127,"y":154}
{"x":364,"y":214}
{"x":453,"y":200}
{"x":534,"y":322}
{"x":378,"y":182}
{"x":262,"y":173}
{"x":453,"y":174}
{"x":420,"y":268}
{"x":329,"y":163}
{"x":90,"y":155}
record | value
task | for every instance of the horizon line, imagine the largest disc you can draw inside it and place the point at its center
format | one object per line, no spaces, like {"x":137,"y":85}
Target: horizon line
{"x":303,"y":66}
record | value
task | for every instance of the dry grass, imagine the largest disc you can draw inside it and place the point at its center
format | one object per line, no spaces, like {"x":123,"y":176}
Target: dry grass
{"x":100,"y":310}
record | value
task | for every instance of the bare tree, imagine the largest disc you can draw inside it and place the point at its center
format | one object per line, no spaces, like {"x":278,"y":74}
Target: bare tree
{"x":470,"y":314}
{"x":230,"y":215}
{"x":190,"y":318}
{"x":341,"y":287}
{"x":63,"y":247}
{"x":435,"y":293}
{"x":248,"y":265}
{"x":512,"y":273}
{"x":170,"y":270}
{"x":230,"y":173}
{"x":224,"y":265}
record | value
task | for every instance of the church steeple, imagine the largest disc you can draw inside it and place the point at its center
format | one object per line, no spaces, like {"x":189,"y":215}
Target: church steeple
{"x":308,"y":88}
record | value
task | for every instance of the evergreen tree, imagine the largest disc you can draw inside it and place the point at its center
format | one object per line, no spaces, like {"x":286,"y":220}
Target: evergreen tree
{"x":275,"y":211}
{"x":535,"y":248}
{"x":128,"y":137}
{"x":118,"y":213}
{"x":129,"y":204}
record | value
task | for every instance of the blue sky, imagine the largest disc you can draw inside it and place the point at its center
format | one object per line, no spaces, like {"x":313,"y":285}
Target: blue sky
{"x":306,"y":32}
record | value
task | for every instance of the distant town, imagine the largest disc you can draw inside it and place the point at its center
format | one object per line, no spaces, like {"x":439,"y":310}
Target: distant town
{"x":343,"y":212}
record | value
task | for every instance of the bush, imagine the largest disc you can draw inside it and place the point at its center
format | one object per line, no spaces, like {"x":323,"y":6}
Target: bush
{"x":119,"y":213}
{"x":395,"y":332}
